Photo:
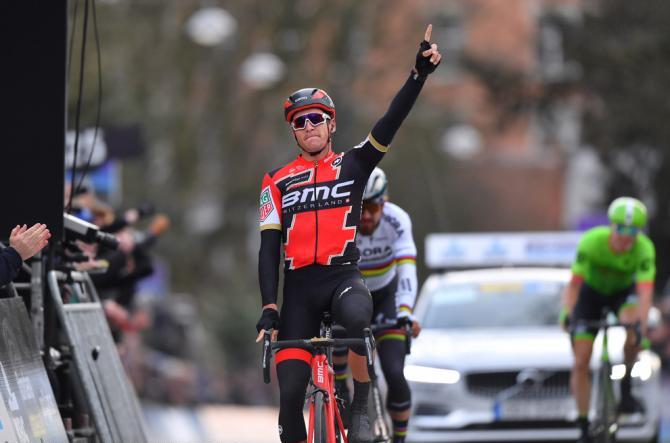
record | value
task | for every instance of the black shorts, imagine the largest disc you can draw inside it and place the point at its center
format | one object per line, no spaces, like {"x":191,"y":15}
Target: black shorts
{"x":383,"y":300}
{"x":310,"y":291}
{"x":590,"y":304}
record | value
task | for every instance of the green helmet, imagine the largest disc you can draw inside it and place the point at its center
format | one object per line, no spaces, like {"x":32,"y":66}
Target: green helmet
{"x":628,"y":211}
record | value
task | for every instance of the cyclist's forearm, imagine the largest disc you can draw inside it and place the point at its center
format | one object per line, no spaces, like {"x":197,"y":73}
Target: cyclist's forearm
{"x":571,"y":292}
{"x":645,"y":292}
{"x":407,"y":286}
{"x":268,"y":265}
{"x":402,"y":103}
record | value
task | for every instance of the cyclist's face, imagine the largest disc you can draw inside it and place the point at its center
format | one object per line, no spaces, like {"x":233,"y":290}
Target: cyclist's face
{"x":372,"y":213}
{"x":622,"y":240}
{"x":313,"y":136}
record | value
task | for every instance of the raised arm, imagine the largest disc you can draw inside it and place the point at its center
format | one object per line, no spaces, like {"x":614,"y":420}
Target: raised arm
{"x":427,"y":60}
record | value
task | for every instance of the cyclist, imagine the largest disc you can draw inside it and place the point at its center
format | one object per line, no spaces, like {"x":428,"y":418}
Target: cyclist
{"x":615,"y":267}
{"x":312,"y":205}
{"x":388,"y":265}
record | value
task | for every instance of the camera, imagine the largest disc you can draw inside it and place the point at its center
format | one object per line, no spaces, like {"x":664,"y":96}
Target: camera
{"x":87,"y":232}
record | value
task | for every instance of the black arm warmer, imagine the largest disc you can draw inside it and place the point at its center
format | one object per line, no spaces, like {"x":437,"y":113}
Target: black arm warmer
{"x":400,"y":106}
{"x":268,"y":265}
{"x":10,"y":263}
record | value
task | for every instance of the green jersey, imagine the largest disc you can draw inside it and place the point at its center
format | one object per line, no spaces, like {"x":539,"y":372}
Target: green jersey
{"x":608,"y":272}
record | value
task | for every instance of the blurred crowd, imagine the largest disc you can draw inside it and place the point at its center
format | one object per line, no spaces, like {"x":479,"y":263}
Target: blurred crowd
{"x":156,"y":332}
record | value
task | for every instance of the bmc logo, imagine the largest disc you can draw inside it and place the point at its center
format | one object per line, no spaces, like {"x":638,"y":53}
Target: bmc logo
{"x":314,"y":193}
{"x":319,"y":372}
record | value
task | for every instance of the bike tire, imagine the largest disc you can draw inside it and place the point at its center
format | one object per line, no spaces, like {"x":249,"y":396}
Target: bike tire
{"x":606,"y":413}
{"x":320,"y":429}
{"x":378,"y":416}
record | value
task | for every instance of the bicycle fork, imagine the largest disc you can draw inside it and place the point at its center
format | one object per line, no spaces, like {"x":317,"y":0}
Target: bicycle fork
{"x":323,"y":379}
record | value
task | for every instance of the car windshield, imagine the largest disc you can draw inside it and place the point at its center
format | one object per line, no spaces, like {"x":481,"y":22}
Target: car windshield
{"x":493,"y":305}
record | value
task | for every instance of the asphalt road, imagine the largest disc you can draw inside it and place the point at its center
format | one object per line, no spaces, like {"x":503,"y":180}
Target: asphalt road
{"x":236,"y":424}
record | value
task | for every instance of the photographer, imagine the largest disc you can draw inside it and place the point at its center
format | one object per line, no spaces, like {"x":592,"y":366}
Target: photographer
{"x":24,"y":242}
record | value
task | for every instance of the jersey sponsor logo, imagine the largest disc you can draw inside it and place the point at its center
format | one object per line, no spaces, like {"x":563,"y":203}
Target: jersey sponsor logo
{"x":320,"y":372}
{"x":266,"y":207}
{"x":321,"y":196}
{"x":375,"y":250}
{"x":645,"y":265}
{"x":298,"y":179}
{"x":395,"y":223}
{"x":337,"y":161}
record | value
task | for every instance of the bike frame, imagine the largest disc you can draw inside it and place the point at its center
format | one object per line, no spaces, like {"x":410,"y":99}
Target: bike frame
{"x":322,"y":376}
{"x":323,"y":379}
{"x":605,"y":425}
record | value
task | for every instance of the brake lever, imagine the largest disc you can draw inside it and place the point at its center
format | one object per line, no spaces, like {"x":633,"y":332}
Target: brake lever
{"x":267,"y":355}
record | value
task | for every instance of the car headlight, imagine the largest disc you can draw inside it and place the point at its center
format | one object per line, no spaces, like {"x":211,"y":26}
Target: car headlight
{"x":641,"y":369}
{"x":425,"y":374}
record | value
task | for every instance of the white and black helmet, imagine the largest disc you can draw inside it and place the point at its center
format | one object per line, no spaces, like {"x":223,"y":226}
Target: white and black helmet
{"x":375,"y":189}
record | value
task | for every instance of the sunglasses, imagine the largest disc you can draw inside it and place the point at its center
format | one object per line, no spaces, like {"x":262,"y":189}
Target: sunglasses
{"x":627,"y":230}
{"x":372,"y":207}
{"x":315,"y":118}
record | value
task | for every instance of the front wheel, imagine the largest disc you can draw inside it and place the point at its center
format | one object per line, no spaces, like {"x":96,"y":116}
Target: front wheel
{"x":320,"y":419}
{"x":320,"y":430}
{"x":378,"y":416}
{"x":605,"y":426}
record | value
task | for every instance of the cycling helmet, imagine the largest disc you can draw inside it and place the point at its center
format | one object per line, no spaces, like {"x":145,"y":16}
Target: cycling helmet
{"x":627,"y":211}
{"x":308,"y":98}
{"x":375,"y":189}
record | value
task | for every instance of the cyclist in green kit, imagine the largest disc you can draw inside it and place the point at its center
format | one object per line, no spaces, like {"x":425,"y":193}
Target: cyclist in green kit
{"x":615,"y":267}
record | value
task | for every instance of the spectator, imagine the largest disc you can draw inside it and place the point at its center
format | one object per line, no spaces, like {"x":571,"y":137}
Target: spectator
{"x":24,"y":242}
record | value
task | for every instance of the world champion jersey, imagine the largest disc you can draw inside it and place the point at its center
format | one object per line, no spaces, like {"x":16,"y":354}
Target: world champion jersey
{"x":390,"y":251}
{"x":317,"y":205}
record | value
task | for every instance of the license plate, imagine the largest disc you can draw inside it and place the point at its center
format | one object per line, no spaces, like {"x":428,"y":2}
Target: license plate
{"x":531,"y":410}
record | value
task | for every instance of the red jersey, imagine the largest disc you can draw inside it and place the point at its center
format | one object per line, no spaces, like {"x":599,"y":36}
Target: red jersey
{"x":317,"y":205}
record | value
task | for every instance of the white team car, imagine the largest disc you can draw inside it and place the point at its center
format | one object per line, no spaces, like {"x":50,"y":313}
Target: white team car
{"x":491,"y":363}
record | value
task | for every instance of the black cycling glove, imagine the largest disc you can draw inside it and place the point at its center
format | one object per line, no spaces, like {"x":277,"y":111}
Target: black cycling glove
{"x":423,"y":67}
{"x":269,"y":320}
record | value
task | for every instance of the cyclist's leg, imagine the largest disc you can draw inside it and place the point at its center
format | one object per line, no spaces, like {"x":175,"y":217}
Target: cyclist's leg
{"x":391,"y":350}
{"x":627,"y":308}
{"x":300,"y":318}
{"x":340,"y":357}
{"x":352,"y":308}
{"x":340,"y":366}
{"x":587,"y":308}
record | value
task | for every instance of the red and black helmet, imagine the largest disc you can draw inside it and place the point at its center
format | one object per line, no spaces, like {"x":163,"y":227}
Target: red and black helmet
{"x":308,"y":98}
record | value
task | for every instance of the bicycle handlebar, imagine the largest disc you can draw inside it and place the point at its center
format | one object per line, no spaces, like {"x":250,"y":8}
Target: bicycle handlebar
{"x":406,"y":326}
{"x":312,"y":344}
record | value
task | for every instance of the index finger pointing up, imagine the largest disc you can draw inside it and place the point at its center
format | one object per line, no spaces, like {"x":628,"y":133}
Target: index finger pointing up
{"x":429,"y":31}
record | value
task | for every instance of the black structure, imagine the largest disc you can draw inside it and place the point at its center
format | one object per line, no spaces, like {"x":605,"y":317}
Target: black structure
{"x":32,"y":126}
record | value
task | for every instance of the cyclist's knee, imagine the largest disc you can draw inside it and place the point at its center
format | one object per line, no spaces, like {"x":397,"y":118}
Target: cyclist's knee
{"x":399,"y":395}
{"x":352,"y":307}
{"x":581,"y":363}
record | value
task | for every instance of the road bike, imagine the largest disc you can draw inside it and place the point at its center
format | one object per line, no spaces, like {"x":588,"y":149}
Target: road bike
{"x":605,"y":425}
{"x":378,"y":414}
{"x":325,"y":422}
